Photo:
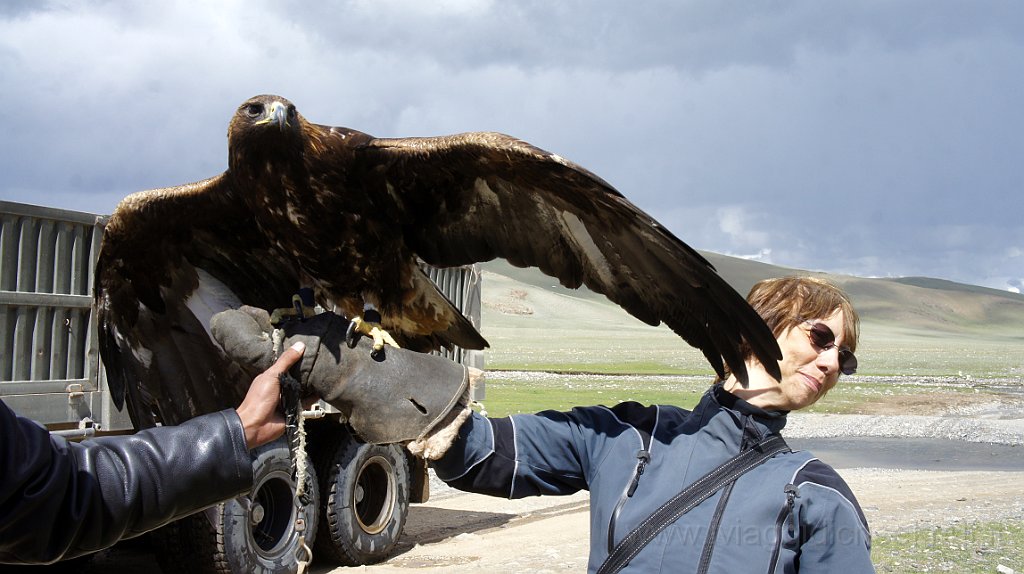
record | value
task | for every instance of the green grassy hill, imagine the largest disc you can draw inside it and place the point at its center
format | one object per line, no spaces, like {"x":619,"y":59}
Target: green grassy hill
{"x":910,"y":326}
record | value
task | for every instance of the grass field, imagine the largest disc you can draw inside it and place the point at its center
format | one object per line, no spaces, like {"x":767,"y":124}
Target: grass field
{"x":535,"y":325}
{"x":512,"y":393}
{"x":978,"y":548}
{"x":638,"y":349}
{"x":515,"y":392}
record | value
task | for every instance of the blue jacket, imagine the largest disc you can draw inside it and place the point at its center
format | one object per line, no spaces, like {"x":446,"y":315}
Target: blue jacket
{"x":791,"y":514}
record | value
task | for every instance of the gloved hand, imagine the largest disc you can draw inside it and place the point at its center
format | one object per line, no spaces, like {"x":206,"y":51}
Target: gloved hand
{"x":398,"y":399}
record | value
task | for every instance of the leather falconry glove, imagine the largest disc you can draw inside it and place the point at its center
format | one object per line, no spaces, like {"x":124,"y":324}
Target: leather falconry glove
{"x":406,"y":397}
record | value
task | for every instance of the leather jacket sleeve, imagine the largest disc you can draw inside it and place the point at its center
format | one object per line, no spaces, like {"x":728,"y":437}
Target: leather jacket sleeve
{"x":60,"y":499}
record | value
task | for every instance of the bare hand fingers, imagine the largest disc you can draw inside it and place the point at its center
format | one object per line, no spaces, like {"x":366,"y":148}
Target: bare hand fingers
{"x":288,"y":358}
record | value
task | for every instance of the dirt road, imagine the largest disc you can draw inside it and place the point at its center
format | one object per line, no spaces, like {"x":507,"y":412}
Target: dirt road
{"x":475,"y":533}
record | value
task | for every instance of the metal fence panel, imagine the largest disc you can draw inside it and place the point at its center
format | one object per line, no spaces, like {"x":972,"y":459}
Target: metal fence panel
{"x":49,"y":358}
{"x":461,"y":285}
{"x":46,"y":320}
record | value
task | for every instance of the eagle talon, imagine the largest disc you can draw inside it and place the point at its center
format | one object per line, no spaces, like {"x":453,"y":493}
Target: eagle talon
{"x":300,"y":310}
{"x":359,"y":326}
{"x":352,"y":335}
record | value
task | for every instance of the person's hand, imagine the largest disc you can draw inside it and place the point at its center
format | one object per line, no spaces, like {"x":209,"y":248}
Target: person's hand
{"x":260,"y":418}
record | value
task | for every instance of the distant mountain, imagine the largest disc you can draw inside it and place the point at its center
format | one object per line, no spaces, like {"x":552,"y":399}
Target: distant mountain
{"x":917,"y":304}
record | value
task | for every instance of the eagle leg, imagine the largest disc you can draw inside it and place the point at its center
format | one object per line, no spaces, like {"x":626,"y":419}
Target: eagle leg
{"x":369,"y":325}
{"x":302,"y":308}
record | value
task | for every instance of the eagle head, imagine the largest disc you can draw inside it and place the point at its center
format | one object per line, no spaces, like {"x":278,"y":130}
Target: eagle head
{"x":265,"y":127}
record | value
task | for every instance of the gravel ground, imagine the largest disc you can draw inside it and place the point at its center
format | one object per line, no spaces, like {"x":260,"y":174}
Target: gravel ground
{"x":996,"y":431}
{"x":897,"y":500}
{"x":996,"y":421}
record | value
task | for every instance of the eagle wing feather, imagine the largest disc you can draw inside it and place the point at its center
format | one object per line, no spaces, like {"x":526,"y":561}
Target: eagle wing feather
{"x":476,"y":196}
{"x":170,"y":258}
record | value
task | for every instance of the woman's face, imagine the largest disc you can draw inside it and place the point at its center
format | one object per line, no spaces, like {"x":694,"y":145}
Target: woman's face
{"x":808,"y":371}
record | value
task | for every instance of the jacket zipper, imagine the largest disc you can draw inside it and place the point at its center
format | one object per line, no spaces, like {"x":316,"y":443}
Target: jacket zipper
{"x":786,"y":511}
{"x":643,"y":457}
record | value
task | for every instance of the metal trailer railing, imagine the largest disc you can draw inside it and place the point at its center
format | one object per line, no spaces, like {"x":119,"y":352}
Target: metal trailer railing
{"x":50,"y":368}
{"x":49,"y":359}
{"x":462,"y":287}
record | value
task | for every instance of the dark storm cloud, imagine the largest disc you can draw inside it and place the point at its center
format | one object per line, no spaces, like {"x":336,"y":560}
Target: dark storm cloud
{"x":875,"y":138}
{"x":694,"y":36}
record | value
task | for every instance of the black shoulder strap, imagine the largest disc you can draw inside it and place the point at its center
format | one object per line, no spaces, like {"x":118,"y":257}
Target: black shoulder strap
{"x":699,"y":491}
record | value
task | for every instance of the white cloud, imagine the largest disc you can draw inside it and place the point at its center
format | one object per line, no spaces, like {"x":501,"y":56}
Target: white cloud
{"x":764,"y":256}
{"x":740,"y":225}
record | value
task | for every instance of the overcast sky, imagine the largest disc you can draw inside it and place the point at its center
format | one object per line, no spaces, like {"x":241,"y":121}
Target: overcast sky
{"x":870,"y":138}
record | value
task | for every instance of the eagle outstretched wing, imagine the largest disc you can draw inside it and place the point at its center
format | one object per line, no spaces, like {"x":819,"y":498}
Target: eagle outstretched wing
{"x":476,"y":196}
{"x":170,"y":259}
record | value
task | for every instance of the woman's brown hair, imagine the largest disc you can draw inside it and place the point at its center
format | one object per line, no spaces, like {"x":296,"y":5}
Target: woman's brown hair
{"x":786,"y":302}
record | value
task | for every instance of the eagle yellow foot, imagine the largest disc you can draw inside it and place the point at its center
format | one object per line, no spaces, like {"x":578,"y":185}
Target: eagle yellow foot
{"x":360,"y":326}
{"x":300,"y":309}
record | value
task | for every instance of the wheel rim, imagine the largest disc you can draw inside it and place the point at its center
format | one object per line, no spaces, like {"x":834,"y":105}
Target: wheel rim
{"x":374,"y":495}
{"x":272,"y":513}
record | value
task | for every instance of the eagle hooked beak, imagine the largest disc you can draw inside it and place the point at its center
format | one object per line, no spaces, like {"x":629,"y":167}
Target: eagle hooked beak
{"x":278,"y":114}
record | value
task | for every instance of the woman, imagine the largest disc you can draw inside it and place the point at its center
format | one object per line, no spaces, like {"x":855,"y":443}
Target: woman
{"x":791,"y":513}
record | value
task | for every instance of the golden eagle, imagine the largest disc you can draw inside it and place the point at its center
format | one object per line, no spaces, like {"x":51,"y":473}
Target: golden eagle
{"x":349,"y":214}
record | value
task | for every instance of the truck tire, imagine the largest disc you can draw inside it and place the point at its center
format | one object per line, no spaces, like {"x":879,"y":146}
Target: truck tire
{"x":365,"y":500}
{"x":254,"y":532}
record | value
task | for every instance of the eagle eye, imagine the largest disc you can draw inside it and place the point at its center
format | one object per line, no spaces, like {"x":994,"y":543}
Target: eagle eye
{"x":291,"y":111}
{"x":254,"y":110}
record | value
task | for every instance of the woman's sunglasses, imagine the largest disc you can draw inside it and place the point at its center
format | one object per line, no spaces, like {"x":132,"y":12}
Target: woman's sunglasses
{"x":822,"y":337}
